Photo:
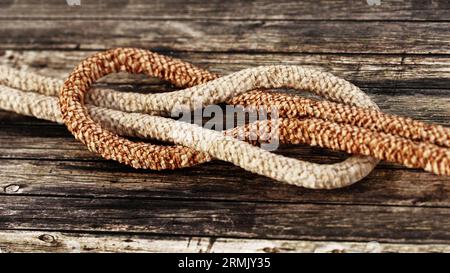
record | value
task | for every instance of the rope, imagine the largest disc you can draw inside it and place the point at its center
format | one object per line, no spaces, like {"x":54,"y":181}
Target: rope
{"x":362,"y":131}
{"x":135,"y":124}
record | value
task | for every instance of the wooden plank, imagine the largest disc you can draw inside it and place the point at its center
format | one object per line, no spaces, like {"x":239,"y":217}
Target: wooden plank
{"x":377,"y":72}
{"x":213,"y":181}
{"x":232,"y":10}
{"x":225,"y":36}
{"x":43,"y":241}
{"x":228,"y":219}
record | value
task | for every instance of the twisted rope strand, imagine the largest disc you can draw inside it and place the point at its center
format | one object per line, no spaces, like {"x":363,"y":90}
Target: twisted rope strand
{"x":355,"y":140}
{"x":291,"y":106}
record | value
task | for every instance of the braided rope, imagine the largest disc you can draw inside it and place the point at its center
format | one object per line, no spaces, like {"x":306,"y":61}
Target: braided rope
{"x":298,"y":107}
{"x":136,"y":124}
{"x":312,"y":131}
{"x":141,"y":155}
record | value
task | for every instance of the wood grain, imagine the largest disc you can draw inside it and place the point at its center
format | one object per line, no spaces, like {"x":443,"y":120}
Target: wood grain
{"x":44,"y":241}
{"x":213,"y":181}
{"x":405,"y":72}
{"x":416,"y":10}
{"x":235,"y":219}
{"x":235,"y":36}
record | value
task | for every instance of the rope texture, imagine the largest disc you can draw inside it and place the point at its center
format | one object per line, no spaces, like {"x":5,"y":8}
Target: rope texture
{"x":315,"y":131}
{"x":140,"y":155}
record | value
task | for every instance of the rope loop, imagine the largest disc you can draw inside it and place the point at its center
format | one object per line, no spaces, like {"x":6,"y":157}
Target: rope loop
{"x":348,"y":122}
{"x":147,"y":156}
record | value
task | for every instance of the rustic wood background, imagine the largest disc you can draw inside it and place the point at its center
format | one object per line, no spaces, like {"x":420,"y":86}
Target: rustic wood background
{"x":57,"y":196}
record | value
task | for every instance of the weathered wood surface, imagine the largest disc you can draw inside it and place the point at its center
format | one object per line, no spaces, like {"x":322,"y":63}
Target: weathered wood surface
{"x":57,"y":196}
{"x":416,"y":10}
{"x":227,"y":218}
{"x":44,"y":241}
{"x":235,"y":36}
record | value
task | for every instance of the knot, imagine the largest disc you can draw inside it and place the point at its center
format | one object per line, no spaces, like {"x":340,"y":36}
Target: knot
{"x":349,"y":122}
{"x":206,"y":89}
